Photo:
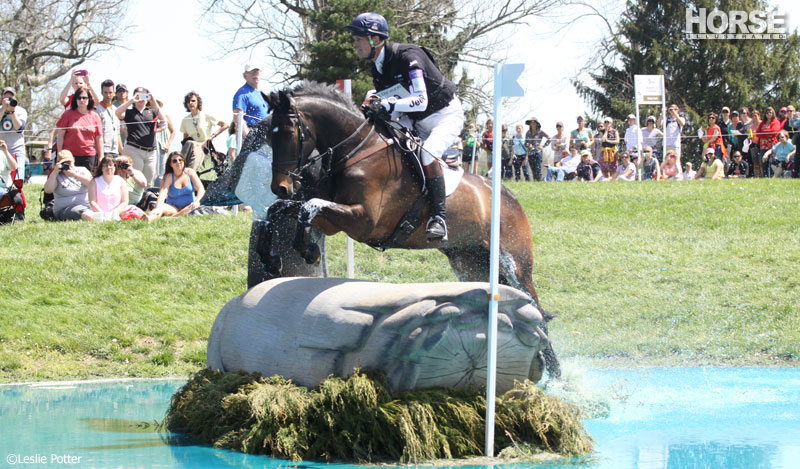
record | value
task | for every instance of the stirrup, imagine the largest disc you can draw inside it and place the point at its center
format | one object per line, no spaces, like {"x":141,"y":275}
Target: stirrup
{"x":436,"y":229}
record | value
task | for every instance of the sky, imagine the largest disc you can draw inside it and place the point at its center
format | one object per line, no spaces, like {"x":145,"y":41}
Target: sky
{"x":170,"y":52}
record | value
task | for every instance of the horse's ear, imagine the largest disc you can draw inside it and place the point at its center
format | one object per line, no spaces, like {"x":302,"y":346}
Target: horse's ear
{"x":292,"y":105}
{"x":273,"y":100}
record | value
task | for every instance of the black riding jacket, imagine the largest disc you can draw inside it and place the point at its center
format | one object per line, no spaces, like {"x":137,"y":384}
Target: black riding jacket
{"x":398,"y":60}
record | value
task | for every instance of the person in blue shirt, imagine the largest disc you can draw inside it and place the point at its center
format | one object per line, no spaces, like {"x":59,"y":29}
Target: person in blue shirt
{"x":780,"y":154}
{"x":249,"y":99}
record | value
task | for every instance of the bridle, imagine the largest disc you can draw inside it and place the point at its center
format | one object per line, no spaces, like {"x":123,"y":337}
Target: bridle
{"x":302,"y":134}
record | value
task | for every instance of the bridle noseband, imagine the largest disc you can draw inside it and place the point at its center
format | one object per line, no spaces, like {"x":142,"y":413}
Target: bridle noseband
{"x":301,"y":128}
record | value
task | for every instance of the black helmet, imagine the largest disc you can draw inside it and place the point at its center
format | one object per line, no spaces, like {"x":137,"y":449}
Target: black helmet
{"x":369,"y":24}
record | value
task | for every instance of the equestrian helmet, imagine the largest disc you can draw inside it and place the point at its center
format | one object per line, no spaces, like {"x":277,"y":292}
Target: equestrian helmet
{"x":369,"y":24}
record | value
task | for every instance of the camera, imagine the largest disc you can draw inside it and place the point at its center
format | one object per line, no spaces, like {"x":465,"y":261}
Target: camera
{"x":81,"y":73}
{"x":125,"y":165}
{"x":145,"y":96}
{"x":12,"y":102}
{"x":65,"y":166}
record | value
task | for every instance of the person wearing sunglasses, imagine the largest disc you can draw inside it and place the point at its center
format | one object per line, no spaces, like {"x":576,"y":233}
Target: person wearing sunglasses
{"x":80,"y":130}
{"x":181,"y":189}
{"x":713,"y":138}
{"x":767,"y":132}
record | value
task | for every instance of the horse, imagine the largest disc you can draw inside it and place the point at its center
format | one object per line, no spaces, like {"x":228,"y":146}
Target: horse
{"x":368,"y":186}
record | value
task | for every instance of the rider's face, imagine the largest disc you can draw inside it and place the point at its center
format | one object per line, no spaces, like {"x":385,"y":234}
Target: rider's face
{"x":362,"y":46}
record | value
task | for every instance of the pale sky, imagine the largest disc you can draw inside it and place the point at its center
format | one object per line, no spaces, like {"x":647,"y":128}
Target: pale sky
{"x":170,"y":52}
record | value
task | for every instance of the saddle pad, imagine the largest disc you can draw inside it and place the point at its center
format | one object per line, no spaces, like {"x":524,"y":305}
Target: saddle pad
{"x":452,"y":177}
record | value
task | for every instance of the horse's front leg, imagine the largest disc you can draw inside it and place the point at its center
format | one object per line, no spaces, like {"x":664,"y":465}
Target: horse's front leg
{"x":328,"y":216}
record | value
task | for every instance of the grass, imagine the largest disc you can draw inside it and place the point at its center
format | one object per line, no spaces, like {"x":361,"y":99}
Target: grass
{"x":649,"y":273}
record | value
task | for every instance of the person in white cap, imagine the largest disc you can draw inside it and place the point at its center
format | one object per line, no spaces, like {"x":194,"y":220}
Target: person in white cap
{"x":652,"y":137}
{"x":13,"y":126}
{"x":632,"y":134}
{"x":249,"y":100}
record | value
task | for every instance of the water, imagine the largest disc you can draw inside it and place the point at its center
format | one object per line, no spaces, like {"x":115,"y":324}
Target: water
{"x":659,"y":418}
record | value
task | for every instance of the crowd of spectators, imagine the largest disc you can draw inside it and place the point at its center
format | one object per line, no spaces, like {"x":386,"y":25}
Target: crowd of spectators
{"x":113,"y":160}
{"x":736,"y":144}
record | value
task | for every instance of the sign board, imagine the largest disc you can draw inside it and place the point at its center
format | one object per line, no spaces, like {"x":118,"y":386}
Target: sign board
{"x":649,"y":89}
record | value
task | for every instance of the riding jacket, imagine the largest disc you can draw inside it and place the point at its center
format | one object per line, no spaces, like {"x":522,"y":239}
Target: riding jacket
{"x":424,"y":89}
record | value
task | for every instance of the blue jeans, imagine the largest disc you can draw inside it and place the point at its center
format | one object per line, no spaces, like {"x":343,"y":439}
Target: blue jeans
{"x":558,"y":172}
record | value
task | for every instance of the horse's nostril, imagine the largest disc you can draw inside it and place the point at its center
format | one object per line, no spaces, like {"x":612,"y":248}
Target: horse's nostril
{"x":283,"y":192}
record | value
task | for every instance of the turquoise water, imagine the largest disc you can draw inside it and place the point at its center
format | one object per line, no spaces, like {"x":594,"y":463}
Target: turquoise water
{"x":659,"y":418}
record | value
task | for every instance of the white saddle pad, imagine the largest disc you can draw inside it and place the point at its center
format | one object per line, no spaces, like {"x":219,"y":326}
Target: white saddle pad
{"x":452,"y":177}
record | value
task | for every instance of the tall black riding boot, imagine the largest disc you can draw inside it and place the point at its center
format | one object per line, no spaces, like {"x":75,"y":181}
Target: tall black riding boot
{"x":437,"y":226}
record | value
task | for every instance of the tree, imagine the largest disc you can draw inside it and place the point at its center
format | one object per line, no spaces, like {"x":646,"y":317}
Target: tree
{"x":306,"y":38}
{"x":700,"y":75}
{"x":42,"y":40}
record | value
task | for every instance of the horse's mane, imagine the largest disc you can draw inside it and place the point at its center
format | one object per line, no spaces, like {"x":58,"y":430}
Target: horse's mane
{"x":325,"y":91}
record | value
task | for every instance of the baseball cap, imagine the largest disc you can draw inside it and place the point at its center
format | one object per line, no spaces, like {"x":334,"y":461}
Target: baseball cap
{"x":726,"y":108}
{"x":709,"y":150}
{"x":651,"y":118}
{"x":579,"y":118}
{"x":631,"y":116}
{"x":65,"y":155}
{"x":121,"y":87}
{"x":532,"y":119}
{"x":586,"y":153}
{"x":607,"y":119}
{"x":11,"y":90}
{"x":782,"y":109}
{"x":252,"y":66}
{"x":140,"y":89}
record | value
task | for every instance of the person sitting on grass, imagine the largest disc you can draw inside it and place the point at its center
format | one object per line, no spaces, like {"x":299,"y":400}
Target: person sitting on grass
{"x":689,"y":173}
{"x":564,"y":169}
{"x":69,"y":185}
{"x":671,"y":169}
{"x":108,"y":193}
{"x":738,"y":167}
{"x":134,"y":179}
{"x":588,"y":169}
{"x":626,"y":170}
{"x":778,"y":157}
{"x":712,"y":167}
{"x":651,"y":170}
{"x":177,"y":196}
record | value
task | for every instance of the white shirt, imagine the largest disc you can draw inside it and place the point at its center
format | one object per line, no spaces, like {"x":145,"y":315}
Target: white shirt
{"x":570,"y":163}
{"x":632,"y":137}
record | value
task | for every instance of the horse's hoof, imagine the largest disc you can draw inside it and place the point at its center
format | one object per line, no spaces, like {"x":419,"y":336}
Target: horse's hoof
{"x":312,"y":254}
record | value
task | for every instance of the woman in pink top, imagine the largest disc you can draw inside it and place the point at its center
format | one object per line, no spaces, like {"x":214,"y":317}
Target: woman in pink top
{"x":671,"y":170}
{"x":767,"y":132}
{"x":108,"y":193}
{"x":80,"y":131}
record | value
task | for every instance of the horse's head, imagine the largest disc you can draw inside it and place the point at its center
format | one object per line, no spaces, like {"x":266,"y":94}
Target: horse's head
{"x":293,"y":142}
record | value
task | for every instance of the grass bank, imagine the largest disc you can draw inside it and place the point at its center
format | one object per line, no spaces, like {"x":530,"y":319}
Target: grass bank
{"x":649,"y":273}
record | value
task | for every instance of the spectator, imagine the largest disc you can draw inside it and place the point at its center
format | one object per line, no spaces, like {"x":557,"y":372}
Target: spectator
{"x":626,"y":170}
{"x":651,"y":170}
{"x":795,"y":137}
{"x":738,"y":167}
{"x":231,"y":142}
{"x":506,"y":153}
{"x":78,"y":80}
{"x":767,"y":132}
{"x":559,"y":143}
{"x":652,"y":137}
{"x":713,"y":138}
{"x":520,"y":155}
{"x":789,"y":123}
{"x":165,"y":134}
{"x":69,"y":185}
{"x":588,"y":169}
{"x":724,"y":126}
{"x":749,"y":149}
{"x":712,"y":167}
{"x":566,"y":168}
{"x":47,"y":160}
{"x":689,"y":173}
{"x":782,"y":117}
{"x":631,"y":135}
{"x":597,"y":150}
{"x":671,"y":169}
{"x":196,"y":128}
{"x":108,"y":193}
{"x":120,"y":96}
{"x":249,"y":100}
{"x":134,"y":179}
{"x":140,"y":121}
{"x":735,"y":132}
{"x":535,"y":141}
{"x":80,"y":131}
{"x":778,"y":157}
{"x":673,"y":130}
{"x":487,"y":141}
{"x":470,"y":144}
{"x":8,"y":164}
{"x":609,"y":140}
{"x":112,"y":141}
{"x":581,"y":137}
{"x":177,"y":196}
{"x":12,"y":128}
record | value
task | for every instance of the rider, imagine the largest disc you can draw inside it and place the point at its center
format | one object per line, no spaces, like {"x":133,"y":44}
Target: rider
{"x":410,"y":85}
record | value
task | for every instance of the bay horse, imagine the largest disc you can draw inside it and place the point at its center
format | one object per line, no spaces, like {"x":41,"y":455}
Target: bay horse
{"x":369,"y":186}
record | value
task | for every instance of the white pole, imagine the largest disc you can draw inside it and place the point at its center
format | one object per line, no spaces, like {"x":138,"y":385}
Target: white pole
{"x":494,"y":256}
{"x":347,"y":89}
{"x":663,"y":120}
